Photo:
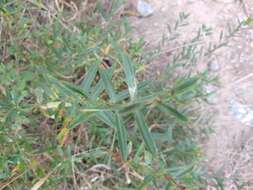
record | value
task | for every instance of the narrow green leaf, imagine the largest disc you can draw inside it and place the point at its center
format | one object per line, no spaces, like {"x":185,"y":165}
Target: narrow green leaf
{"x":65,"y":87}
{"x":80,"y":119}
{"x":89,"y":78}
{"x":185,"y":170}
{"x":186,"y":85}
{"x":108,"y":85}
{"x":172,"y":111}
{"x":115,"y":120}
{"x":99,"y":87}
{"x":3,"y":10}
{"x":75,"y":89}
{"x":107,"y":117}
{"x":130,"y":108}
{"x":146,"y":182}
{"x":179,"y":171}
{"x":38,"y":4}
{"x":129,"y":71}
{"x":248,"y":21}
{"x":122,"y":137}
{"x":145,"y":132}
{"x":97,"y":90}
{"x":125,"y":93}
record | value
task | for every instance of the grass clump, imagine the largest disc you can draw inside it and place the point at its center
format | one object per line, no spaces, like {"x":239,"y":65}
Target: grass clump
{"x":75,"y":112}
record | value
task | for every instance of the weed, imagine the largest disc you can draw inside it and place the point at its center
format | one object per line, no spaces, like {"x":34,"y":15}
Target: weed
{"x":74,"y":113}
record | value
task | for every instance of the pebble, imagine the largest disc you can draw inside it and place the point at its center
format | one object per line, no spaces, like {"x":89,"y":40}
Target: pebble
{"x":213,"y":100}
{"x":211,"y":90}
{"x":214,"y":66}
{"x":239,"y":47}
{"x":144,"y":9}
{"x":242,"y":112}
{"x":244,"y":59}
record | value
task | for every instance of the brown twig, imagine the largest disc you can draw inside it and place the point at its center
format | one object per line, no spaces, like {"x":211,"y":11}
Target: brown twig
{"x":2,"y":186}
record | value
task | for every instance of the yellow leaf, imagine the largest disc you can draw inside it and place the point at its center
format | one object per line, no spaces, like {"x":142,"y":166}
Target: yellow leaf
{"x":53,"y":105}
{"x":63,"y":136}
{"x":37,"y":185}
{"x":41,"y":182}
{"x":33,"y":164}
{"x":2,"y":90}
{"x":107,"y":50}
{"x":66,"y":122}
{"x":130,"y":13}
{"x":15,"y":169}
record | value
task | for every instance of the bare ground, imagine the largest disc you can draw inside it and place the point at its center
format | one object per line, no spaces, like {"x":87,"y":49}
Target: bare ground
{"x":229,"y":149}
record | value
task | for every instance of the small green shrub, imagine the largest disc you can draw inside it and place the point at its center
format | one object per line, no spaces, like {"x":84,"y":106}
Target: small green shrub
{"x":75,"y":112}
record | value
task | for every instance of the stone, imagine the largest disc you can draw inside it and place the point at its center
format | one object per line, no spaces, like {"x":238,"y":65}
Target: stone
{"x":144,"y":9}
{"x":242,"y":112}
{"x":211,"y":91}
{"x":214,"y":66}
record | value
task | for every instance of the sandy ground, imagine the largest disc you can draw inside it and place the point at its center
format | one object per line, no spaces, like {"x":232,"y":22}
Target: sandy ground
{"x":229,"y":149}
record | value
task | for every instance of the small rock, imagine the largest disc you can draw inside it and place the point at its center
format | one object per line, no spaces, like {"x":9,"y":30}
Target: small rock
{"x":214,"y":66}
{"x":244,"y":59}
{"x":239,"y":47}
{"x":144,"y":9}
{"x":211,"y":90}
{"x":242,"y":112}
{"x":212,"y":99}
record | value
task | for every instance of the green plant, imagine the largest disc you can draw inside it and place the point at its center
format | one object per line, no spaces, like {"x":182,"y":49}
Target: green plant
{"x":76,"y":113}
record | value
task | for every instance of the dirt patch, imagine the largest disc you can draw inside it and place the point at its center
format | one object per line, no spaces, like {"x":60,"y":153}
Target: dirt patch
{"x":229,"y":148}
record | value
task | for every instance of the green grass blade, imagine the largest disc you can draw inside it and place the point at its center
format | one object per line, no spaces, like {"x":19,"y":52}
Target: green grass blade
{"x":125,"y":93}
{"x":148,"y":180}
{"x":130,"y":108}
{"x":80,"y":119}
{"x":107,"y":117}
{"x":172,"y":111}
{"x":179,"y":171}
{"x":97,"y":90}
{"x":148,"y":140}
{"x":99,"y":87}
{"x":88,"y":79}
{"x":112,"y":120}
{"x":65,"y":88}
{"x":122,"y":137}
{"x":75,"y":89}
{"x":185,"y":85}
{"x":129,"y":70}
{"x":108,"y":85}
